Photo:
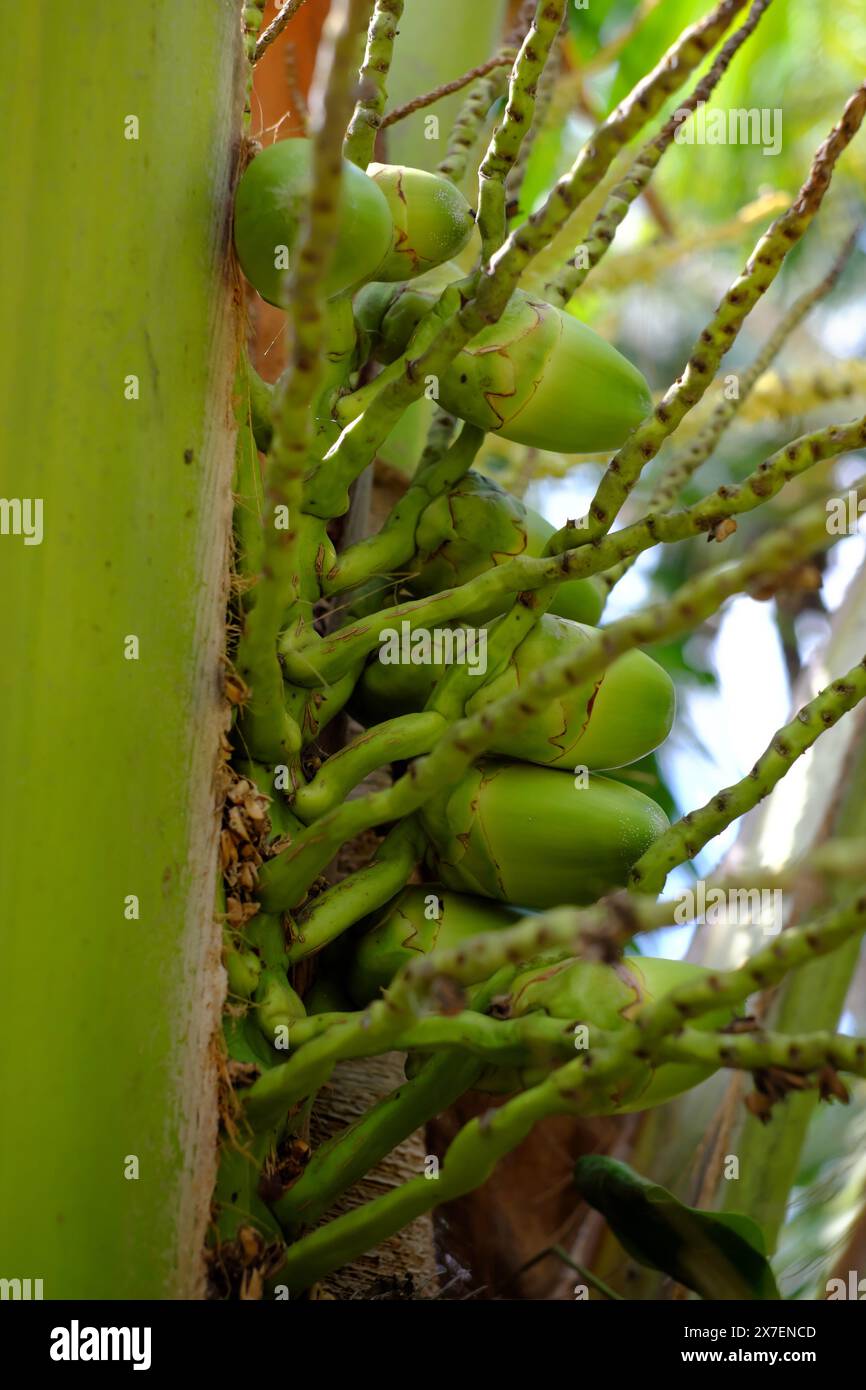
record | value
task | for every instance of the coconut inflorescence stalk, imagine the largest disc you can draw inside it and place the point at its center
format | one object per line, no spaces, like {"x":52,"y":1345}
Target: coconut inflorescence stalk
{"x":456,"y":878}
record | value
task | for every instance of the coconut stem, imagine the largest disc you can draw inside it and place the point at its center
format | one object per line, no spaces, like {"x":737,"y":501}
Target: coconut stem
{"x":516,"y":123}
{"x":480,"y":1144}
{"x":790,"y":950}
{"x":685,"y":463}
{"x":485,"y":298}
{"x":341,"y":1162}
{"x":394,"y":543}
{"x":715,"y":340}
{"x":370,"y":107}
{"x":687,"y":836}
{"x":336,"y":654}
{"x":504,"y":59}
{"x":802,"y":1054}
{"x":393,"y":740}
{"x":601,"y":234}
{"x":270,"y":731}
{"x":359,"y":893}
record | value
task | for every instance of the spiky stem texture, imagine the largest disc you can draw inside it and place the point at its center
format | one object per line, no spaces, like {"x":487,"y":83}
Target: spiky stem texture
{"x":613,"y":212}
{"x":370,"y":106}
{"x":685,"y":463}
{"x":688,"y":836}
{"x":504,"y":59}
{"x":715,"y":340}
{"x":516,"y":122}
{"x":285,"y":878}
{"x":801,"y":1054}
{"x":271,"y":732}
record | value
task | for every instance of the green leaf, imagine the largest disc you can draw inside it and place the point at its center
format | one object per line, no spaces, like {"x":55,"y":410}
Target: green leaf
{"x":719,"y":1256}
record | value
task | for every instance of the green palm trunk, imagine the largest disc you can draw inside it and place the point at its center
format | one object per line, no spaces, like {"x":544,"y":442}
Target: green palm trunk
{"x":119,"y":333}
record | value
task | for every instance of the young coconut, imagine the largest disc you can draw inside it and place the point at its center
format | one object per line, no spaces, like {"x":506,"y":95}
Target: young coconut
{"x":602,"y":724}
{"x":432,"y":220}
{"x":537,"y":376}
{"x":420,"y":919}
{"x":478,"y":525}
{"x":605,"y":998}
{"x":388,"y":313}
{"x":541,"y":377}
{"x":272,"y":194}
{"x":538,"y":837}
{"x":608,"y":722}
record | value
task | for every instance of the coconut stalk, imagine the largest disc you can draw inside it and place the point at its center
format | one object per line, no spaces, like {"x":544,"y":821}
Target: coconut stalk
{"x":437,"y":44}
{"x":686,"y":1144}
{"x":828,"y":789}
{"x":120,"y":330}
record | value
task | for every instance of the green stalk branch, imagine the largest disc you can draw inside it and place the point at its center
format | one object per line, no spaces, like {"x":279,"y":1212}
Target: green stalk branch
{"x":370,"y":107}
{"x":309,"y":1067}
{"x":359,"y":893}
{"x":270,"y":732}
{"x":357,"y":445}
{"x":472,"y":115}
{"x":765,"y":482}
{"x":715,"y":340}
{"x":601,"y":932}
{"x":470,"y":123}
{"x":684,"y":464}
{"x":394,"y":544}
{"x":534,"y":1039}
{"x":405,"y":737}
{"x":679,"y":471}
{"x":601,"y":234}
{"x":516,"y":122}
{"x":802,"y":1054}
{"x":790,"y":950}
{"x":329,"y":658}
{"x":450,"y":694}
{"x":285,"y":878}
{"x":547,"y":84}
{"x":688,"y":836}
{"x":593,"y":161}
{"x":503,"y":59}
{"x":343,"y":1160}
{"x":479,"y":1145}
{"x":470,"y":1160}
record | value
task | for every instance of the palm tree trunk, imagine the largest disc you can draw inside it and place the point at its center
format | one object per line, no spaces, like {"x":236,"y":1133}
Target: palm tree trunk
{"x":120,"y":326}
